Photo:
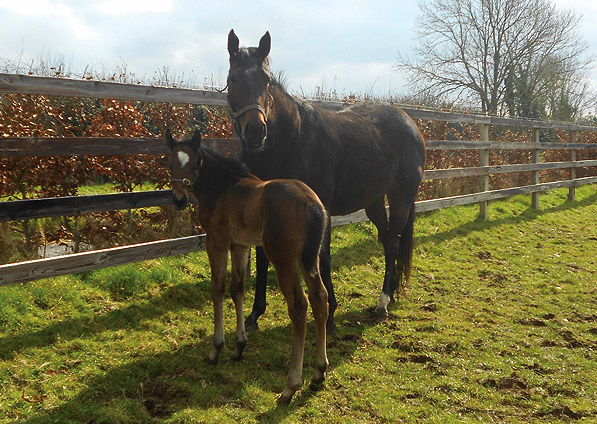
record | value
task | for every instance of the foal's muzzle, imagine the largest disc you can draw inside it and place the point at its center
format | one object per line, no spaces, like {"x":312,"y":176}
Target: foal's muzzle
{"x":181,"y":203}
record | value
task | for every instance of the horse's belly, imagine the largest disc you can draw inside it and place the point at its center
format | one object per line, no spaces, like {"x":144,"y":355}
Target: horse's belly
{"x":245,"y":236}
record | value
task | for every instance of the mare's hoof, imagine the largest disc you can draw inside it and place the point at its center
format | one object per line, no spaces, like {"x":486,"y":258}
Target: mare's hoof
{"x":317,"y":385}
{"x":381,"y":313}
{"x":211,"y":361}
{"x":330,"y":327}
{"x":251,"y":324}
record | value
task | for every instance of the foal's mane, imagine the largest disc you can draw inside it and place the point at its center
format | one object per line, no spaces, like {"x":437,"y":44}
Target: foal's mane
{"x":224,"y":164}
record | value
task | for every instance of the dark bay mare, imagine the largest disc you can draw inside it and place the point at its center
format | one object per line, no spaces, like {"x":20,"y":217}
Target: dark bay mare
{"x":236,"y":209}
{"x":353,"y":159}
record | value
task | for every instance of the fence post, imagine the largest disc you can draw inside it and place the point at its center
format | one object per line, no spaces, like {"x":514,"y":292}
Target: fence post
{"x":572,"y":189}
{"x":535,"y":174}
{"x":484,"y":161}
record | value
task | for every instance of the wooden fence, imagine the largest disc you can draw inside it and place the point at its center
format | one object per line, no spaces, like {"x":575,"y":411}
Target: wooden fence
{"x":66,"y":206}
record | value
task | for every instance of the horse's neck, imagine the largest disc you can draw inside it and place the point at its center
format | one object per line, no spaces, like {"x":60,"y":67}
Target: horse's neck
{"x":217,"y":175}
{"x":287,"y":112}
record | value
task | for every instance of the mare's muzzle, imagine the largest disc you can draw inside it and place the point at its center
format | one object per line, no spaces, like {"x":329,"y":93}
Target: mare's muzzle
{"x":250,"y":123}
{"x":254,"y":134}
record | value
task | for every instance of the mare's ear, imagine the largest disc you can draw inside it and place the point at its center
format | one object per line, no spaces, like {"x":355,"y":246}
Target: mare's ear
{"x":169,"y":139}
{"x":264,"y":45}
{"x":232,"y":43}
{"x":196,"y":140}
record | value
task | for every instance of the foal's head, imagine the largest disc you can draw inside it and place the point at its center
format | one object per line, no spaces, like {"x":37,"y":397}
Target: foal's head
{"x":185,"y":164}
{"x":249,"y":82}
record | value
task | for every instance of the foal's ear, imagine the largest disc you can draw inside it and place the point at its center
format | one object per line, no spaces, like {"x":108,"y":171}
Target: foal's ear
{"x":232,"y":43}
{"x":264,"y":45}
{"x":169,"y":139}
{"x":196,"y":140}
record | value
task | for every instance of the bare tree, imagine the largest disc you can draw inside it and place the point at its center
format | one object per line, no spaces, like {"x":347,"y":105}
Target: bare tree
{"x":502,"y":55}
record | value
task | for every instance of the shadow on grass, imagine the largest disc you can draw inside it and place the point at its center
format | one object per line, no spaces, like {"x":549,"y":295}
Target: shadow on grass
{"x":370,"y":247}
{"x":156,"y":386}
{"x":176,"y":297}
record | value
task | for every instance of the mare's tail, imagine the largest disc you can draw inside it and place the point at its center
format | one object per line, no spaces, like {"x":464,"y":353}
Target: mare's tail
{"x":405,"y":252}
{"x":316,"y":227}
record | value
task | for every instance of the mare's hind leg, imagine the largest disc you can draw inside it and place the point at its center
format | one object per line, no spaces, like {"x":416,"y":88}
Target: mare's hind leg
{"x":318,"y":298}
{"x":376,"y":213}
{"x":325,"y":270}
{"x":217,"y":251}
{"x":259,"y":303}
{"x":240,"y":259}
{"x":398,"y":243}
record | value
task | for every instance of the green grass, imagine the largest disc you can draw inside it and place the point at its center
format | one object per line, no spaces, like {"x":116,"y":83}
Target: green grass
{"x":499,"y":325}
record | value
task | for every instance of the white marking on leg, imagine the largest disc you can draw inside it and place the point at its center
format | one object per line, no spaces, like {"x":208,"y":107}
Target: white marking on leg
{"x":183,"y":158}
{"x":384,"y":301}
{"x":382,"y":307}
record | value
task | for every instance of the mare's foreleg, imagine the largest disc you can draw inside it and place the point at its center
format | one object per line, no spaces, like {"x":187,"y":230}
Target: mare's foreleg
{"x":218,"y":262}
{"x":240,"y":258}
{"x":259,"y":303}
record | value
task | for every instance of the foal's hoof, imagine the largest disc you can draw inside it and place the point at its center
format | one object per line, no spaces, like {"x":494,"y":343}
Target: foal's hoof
{"x":284,"y":399}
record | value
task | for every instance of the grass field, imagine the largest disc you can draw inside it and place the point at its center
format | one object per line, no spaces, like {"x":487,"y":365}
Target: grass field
{"x":499,"y":325}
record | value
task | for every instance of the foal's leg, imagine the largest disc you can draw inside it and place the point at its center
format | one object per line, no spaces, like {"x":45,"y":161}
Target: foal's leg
{"x":218,"y":261}
{"x":259,"y":303}
{"x":240,"y":258}
{"x":318,"y":298}
{"x":290,"y":284}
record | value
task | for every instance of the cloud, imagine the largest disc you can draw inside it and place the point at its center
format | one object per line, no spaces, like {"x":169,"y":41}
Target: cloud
{"x":120,"y":7}
{"x":373,"y":78}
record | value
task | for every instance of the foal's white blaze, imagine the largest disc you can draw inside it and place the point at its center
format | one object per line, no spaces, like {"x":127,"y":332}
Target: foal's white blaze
{"x":183,"y":158}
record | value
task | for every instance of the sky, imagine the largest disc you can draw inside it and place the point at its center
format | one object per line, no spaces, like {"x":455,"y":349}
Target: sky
{"x":349,"y":46}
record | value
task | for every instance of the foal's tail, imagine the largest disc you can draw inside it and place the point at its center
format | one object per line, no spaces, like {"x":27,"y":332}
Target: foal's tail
{"x":405,"y":252}
{"x":316,"y":227}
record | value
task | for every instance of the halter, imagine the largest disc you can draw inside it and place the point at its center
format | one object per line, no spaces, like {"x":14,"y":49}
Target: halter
{"x":186,"y":181}
{"x":256,"y":106}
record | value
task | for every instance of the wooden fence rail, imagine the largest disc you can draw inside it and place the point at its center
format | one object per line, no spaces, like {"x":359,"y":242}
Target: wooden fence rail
{"x":76,"y":205}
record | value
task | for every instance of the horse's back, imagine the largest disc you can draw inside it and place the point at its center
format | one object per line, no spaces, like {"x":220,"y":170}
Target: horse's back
{"x":369,"y":148}
{"x":396,"y":130}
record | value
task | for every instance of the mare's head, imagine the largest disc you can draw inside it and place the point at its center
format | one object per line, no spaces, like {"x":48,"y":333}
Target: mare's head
{"x":249,"y":82}
{"x":185,"y":163}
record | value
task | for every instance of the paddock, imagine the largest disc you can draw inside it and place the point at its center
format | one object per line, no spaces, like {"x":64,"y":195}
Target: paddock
{"x":498,"y":324}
